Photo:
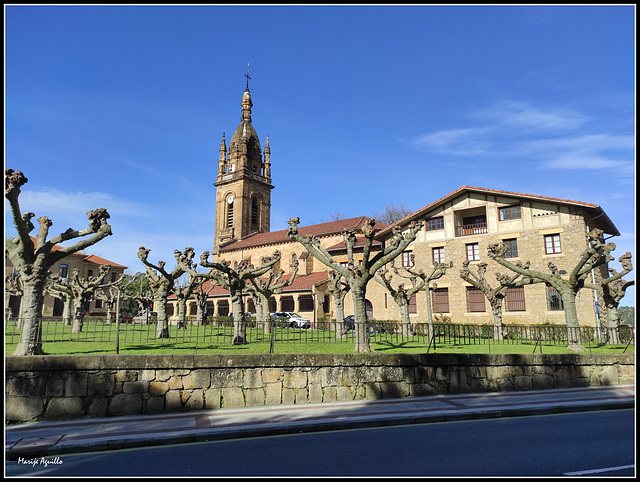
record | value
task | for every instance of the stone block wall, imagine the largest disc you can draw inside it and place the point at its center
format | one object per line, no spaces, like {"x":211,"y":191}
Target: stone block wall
{"x":68,"y":387}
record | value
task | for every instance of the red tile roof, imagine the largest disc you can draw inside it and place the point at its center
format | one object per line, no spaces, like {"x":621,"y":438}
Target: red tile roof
{"x":359,"y":243}
{"x":416,"y":214}
{"x":322,"y":229}
{"x":306,"y":282}
{"x":300,"y":283}
{"x":92,"y":258}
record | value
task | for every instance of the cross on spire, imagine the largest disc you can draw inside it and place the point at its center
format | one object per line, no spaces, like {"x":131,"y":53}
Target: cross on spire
{"x":247,"y":76}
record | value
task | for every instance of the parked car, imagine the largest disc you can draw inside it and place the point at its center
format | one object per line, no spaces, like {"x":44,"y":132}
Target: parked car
{"x":350,"y":322}
{"x":142,"y":319}
{"x":293,"y":320}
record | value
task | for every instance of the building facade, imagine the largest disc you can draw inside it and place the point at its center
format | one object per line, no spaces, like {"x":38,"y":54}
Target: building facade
{"x":458,"y":227}
{"x":88,"y":265}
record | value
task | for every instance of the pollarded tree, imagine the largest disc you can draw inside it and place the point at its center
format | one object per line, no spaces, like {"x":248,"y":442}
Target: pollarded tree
{"x":201,"y":295}
{"x":338,"y":288}
{"x":183,"y":293}
{"x":114,"y":293}
{"x":359,"y":276}
{"x":495,"y":295}
{"x":162,"y":282}
{"x":438,"y":270}
{"x":233,"y":280}
{"x":611,"y":290}
{"x":33,"y":258}
{"x":78,"y":292}
{"x":262,"y":289}
{"x":596,"y":254}
{"x":401,"y":296}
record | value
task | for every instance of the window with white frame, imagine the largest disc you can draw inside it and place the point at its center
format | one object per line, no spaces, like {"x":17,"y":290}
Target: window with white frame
{"x":473,"y":251}
{"x":552,"y":244}
{"x":438,"y":254}
{"x":407,"y":261}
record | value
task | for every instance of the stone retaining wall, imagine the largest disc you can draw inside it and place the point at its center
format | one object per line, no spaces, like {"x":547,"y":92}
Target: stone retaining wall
{"x":66,"y":387}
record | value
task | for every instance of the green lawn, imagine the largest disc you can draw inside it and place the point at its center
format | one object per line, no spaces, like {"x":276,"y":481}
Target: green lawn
{"x":100,"y":338}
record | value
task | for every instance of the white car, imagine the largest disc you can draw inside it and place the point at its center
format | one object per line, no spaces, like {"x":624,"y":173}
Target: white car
{"x":294,"y":320}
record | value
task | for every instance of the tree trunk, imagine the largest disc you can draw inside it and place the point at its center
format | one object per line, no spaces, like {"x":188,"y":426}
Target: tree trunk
{"x":262,"y":313}
{"x":363,"y":338}
{"x":498,"y":328}
{"x":182,"y":311}
{"x":31,"y":313}
{"x":338,"y":301}
{"x":429,"y":313}
{"x":574,"y":343}
{"x":67,"y":312}
{"x":162,"y":330}
{"x":404,"y":317}
{"x":613,"y":325}
{"x":239,"y":327}
{"x":200,"y":312}
{"x":78,"y":315}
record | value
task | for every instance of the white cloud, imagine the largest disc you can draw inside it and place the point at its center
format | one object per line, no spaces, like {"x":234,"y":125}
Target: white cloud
{"x":462,"y":142}
{"x":553,"y":138}
{"x":511,"y":114}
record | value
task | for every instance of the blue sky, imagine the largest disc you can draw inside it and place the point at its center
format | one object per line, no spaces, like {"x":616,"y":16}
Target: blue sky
{"x":124,"y":107}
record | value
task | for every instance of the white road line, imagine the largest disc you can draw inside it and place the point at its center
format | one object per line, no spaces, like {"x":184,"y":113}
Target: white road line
{"x":595,"y":471}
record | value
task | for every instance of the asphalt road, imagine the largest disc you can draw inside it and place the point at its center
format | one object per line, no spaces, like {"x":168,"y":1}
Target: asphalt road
{"x":598,"y":443}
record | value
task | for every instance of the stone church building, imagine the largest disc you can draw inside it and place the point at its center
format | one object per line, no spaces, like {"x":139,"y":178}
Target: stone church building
{"x":459,"y":226}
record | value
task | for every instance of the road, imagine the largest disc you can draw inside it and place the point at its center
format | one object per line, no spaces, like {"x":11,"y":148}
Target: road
{"x":599,"y":443}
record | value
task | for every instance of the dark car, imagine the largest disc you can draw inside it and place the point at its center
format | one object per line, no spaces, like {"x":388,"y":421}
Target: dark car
{"x":350,"y":323}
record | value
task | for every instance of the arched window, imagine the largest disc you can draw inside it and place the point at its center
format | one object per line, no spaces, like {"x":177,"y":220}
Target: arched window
{"x":230,"y":211}
{"x":255,"y":214}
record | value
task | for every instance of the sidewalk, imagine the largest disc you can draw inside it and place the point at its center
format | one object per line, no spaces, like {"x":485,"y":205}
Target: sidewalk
{"x":41,"y":439}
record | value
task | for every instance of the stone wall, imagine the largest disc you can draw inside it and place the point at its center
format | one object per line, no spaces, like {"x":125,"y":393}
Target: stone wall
{"x":66,"y":387}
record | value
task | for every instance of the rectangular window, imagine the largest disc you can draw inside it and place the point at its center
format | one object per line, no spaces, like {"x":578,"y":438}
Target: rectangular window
{"x":407,"y":262}
{"x":113,"y":277}
{"x":510,"y":212}
{"x":515,"y":299}
{"x":98,"y":304}
{"x":512,"y":248}
{"x":473,"y":252}
{"x":475,"y":300}
{"x":305,"y":302}
{"x":438,"y":255}
{"x":434,"y":224}
{"x":413,"y":304}
{"x":441,"y":300}
{"x":89,"y":273}
{"x":64,"y":271}
{"x":552,"y":244}
{"x":554,"y":301}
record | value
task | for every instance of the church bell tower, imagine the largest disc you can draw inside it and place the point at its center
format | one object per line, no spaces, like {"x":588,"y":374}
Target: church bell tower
{"x":243,"y":184}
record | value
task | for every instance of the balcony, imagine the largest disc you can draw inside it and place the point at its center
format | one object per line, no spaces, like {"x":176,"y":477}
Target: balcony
{"x":471,"y":229}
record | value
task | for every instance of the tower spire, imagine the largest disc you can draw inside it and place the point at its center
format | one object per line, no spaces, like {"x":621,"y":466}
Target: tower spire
{"x":247,"y":76}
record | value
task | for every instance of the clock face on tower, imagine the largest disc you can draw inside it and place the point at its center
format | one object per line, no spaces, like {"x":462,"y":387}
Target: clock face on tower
{"x":230,"y":199}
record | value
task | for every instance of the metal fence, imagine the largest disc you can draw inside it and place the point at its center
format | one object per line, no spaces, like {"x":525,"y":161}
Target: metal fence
{"x":220,"y":331}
